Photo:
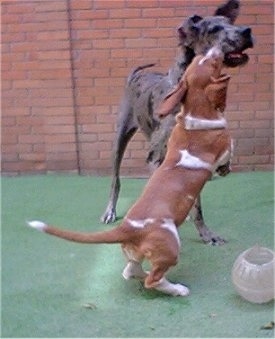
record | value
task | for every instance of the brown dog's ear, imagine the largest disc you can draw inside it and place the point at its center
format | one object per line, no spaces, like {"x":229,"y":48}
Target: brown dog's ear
{"x":172,"y":99}
{"x":216,"y":92}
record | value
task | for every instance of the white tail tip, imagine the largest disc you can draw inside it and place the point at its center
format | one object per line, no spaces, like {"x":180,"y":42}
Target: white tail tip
{"x":39,"y":225}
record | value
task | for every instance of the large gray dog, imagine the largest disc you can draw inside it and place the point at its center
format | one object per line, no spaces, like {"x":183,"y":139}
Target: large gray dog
{"x":144,"y":92}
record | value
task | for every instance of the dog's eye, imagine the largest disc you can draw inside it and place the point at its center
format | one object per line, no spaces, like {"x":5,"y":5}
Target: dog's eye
{"x":216,"y":29}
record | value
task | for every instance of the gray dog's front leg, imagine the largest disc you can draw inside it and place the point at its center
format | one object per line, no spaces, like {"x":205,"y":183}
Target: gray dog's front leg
{"x":126,"y":128}
{"x":205,"y":233}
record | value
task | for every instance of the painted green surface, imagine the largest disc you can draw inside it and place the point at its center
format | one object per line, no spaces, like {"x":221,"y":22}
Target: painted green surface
{"x":53,"y":288}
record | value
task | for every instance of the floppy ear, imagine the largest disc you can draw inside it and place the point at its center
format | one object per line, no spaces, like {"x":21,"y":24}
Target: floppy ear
{"x":216,"y":92}
{"x":172,"y":99}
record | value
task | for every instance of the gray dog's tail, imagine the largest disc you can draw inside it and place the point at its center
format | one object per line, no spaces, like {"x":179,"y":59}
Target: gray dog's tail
{"x":137,"y":69}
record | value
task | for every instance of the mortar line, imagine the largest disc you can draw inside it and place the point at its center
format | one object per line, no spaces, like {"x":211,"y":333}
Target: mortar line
{"x":73,"y":84}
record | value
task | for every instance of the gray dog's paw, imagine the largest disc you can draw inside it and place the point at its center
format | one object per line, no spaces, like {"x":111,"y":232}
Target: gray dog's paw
{"x":212,"y":238}
{"x":108,"y":217}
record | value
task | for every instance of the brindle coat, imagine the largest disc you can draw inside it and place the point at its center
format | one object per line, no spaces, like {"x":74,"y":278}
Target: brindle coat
{"x":145,"y":90}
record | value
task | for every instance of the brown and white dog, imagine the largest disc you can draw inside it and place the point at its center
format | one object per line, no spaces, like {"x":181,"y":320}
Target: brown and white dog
{"x":198,"y":145}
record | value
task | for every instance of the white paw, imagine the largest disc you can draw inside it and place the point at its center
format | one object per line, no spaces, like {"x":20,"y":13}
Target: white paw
{"x":180,"y":290}
{"x":133,"y":270}
{"x":127,"y":274}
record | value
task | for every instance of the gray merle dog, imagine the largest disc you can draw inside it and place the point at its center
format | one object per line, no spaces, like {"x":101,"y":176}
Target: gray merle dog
{"x":145,"y":90}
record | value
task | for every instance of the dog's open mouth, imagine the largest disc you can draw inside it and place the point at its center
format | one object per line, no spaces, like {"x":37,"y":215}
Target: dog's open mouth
{"x":234,"y":59}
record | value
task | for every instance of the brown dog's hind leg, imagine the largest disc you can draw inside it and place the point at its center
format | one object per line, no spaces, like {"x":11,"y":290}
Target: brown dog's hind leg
{"x":162,"y":251}
{"x":206,"y":234}
{"x":157,"y":280}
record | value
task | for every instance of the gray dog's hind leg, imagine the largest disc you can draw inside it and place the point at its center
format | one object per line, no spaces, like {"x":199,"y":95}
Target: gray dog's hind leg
{"x":206,"y":234}
{"x":125,"y":130}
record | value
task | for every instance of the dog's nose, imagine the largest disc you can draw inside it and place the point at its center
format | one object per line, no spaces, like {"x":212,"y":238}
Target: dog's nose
{"x":246,"y":33}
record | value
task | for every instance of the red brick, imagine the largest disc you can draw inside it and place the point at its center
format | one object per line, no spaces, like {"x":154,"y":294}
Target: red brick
{"x":7,"y":138}
{"x":143,"y":3}
{"x":108,"y":4}
{"x":53,"y":55}
{"x":247,"y":20}
{"x":14,"y":75}
{"x":125,"y":33}
{"x":65,"y":165}
{"x":32,"y":156}
{"x":268,"y":59}
{"x":263,"y":29}
{"x":16,"y":111}
{"x":38,"y":27}
{"x":264,"y":18}
{"x":264,"y":8}
{"x":49,"y":6}
{"x":264,"y":132}
{"x":126,"y":13}
{"x":158,"y":12}
{"x":22,"y":167}
{"x":138,"y":43}
{"x":14,"y":38}
{"x":254,"y":159}
{"x":21,"y":7}
{"x":255,"y":124}
{"x":29,"y":138}
{"x":50,"y":74}
{"x":83,"y":4}
{"x":107,"y":24}
{"x":48,"y":112}
{"x":129,"y":52}
{"x":50,"y":36}
{"x":61,"y":156}
{"x":141,"y":23}
{"x":61,"y":120}
{"x":62,"y":147}
{"x":90,"y":15}
{"x":92,"y":34}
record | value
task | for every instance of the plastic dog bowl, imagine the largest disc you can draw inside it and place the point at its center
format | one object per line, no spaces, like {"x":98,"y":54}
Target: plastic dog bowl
{"x":253,"y":274}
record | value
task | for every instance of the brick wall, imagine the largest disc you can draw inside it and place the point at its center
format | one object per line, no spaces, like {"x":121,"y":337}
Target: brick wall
{"x":64,"y":66}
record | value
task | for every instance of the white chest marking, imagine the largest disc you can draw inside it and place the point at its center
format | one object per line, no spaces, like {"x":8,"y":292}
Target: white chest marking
{"x":140,"y":223}
{"x":170,"y":226}
{"x":192,"y":123}
{"x":190,"y":161}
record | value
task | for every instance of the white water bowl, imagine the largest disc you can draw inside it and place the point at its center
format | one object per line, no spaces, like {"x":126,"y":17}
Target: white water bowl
{"x":253,"y":274}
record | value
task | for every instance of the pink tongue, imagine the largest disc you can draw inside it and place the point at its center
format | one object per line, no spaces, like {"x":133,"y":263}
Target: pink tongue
{"x":235,"y":55}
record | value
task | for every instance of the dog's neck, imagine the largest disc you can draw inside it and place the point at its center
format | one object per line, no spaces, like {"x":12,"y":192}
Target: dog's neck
{"x":182,"y":62}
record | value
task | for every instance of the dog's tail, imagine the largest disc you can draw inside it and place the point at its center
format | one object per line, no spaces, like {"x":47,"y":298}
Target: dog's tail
{"x":116,"y":235}
{"x":137,"y":69}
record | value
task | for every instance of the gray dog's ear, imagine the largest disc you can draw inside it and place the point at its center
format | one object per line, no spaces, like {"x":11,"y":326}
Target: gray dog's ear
{"x":194,"y":19}
{"x":172,"y":99}
{"x":230,"y":10}
{"x":192,"y":22}
{"x":189,"y":26}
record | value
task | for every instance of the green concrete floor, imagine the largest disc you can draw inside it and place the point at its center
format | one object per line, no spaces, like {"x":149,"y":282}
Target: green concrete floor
{"x":53,"y":288}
